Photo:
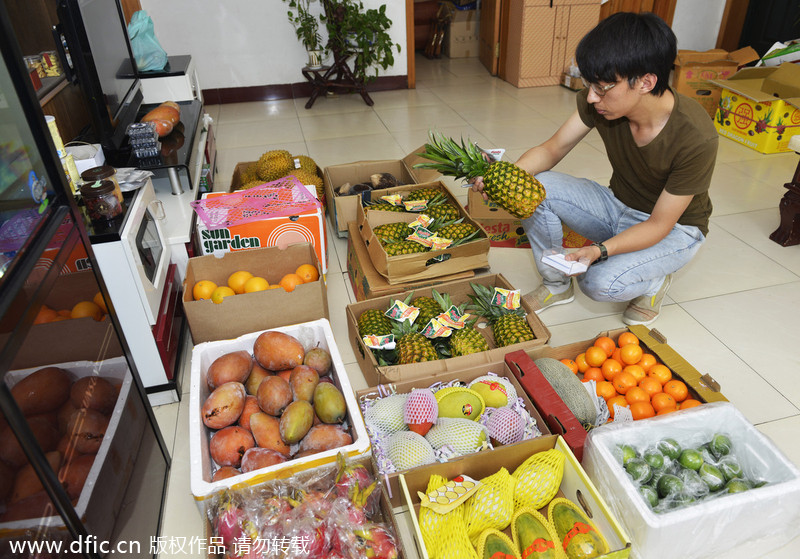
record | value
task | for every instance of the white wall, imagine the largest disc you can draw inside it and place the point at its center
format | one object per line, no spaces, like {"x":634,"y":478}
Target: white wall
{"x":696,"y":23}
{"x":240,"y":43}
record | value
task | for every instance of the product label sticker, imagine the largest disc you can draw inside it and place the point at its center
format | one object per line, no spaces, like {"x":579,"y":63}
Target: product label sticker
{"x":506,"y":298}
{"x":435,"y":329}
{"x":423,"y":236}
{"x":379,"y":342}
{"x":401,"y":312}
{"x":440,"y":243}
{"x":415,"y":205}
{"x":422,"y":221}
{"x":393,"y":199}
{"x":450,"y":495}
{"x":453,"y":319}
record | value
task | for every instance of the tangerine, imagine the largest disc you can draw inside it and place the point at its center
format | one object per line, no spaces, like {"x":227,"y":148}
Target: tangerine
{"x":690,"y":403}
{"x":642,"y":410}
{"x":630,"y":354}
{"x":665,"y":411}
{"x":615,"y":356}
{"x":637,"y":372}
{"x":256,"y":283}
{"x":650,"y":385}
{"x":593,"y":373}
{"x":661,"y":373}
{"x":606,"y":344}
{"x":290,"y":281}
{"x":45,"y":314}
{"x":647,"y":361}
{"x":571,"y":364}
{"x":677,"y":389}
{"x":100,"y":302}
{"x":308,"y":272}
{"x":203,"y":289}
{"x":605,"y":390}
{"x":87,"y":309}
{"x":237,"y":280}
{"x":65,"y":313}
{"x":595,"y":356}
{"x":580,"y":361}
{"x":636,"y":394}
{"x":610,"y":368}
{"x":662,"y":400}
{"x":627,"y":338}
{"x":616,"y":400}
{"x":623,"y":381}
{"x":220,"y":293}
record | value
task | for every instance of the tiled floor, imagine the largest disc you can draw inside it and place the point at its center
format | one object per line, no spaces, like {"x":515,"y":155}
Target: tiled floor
{"x":732,"y":312}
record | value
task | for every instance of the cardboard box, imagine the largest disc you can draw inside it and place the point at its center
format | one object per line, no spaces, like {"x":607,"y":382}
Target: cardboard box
{"x":560,"y":419}
{"x":471,"y":255}
{"x":311,"y":334}
{"x":571,"y":82}
{"x":462,"y":39}
{"x":282,"y":231}
{"x":344,"y":209}
{"x":760,"y":107}
{"x":250,"y":312}
{"x":756,"y":521}
{"x":467,"y":375}
{"x":458,"y":291}
{"x":694,"y":69}
{"x":576,"y":486}
{"x":365,"y":280}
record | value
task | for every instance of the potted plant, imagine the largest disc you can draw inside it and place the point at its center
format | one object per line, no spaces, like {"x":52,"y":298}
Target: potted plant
{"x":306,"y":27}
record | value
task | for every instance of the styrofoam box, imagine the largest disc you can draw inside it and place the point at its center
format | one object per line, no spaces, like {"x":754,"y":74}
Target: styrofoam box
{"x":310,"y":334}
{"x":116,"y":371}
{"x":740,"y":525}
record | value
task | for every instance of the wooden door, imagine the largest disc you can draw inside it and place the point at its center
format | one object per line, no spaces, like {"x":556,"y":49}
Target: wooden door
{"x":489,"y":45}
{"x":769,"y":22}
{"x":665,"y":9}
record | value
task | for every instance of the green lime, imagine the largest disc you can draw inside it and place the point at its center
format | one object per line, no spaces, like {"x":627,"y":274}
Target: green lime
{"x":691,"y":459}
{"x":693,"y":483}
{"x":759,"y":483}
{"x":712,"y":477}
{"x":657,"y":475}
{"x":682,"y":499}
{"x":650,"y":495}
{"x":639,"y":470}
{"x":720,"y":445}
{"x":737,"y":485}
{"x":730,"y":468}
{"x":628,"y":452}
{"x":654,"y":459}
{"x":669,"y":485}
{"x":669,"y":448}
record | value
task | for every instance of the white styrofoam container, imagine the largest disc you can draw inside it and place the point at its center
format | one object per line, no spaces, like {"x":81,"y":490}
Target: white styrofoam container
{"x":310,"y":334}
{"x":116,"y":371}
{"x":741,"y":525}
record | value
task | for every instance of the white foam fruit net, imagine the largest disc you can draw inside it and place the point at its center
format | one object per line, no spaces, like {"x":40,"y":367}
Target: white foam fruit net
{"x":462,"y":435}
{"x":511,"y":392}
{"x":386,"y":414}
{"x":407,"y":450}
{"x":420,"y":407}
{"x":285,"y":196}
{"x":506,"y":426}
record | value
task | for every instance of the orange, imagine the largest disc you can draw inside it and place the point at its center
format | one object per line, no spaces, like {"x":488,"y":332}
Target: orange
{"x":308,"y":272}
{"x":636,"y":394}
{"x":662,"y":400}
{"x":661,"y":373}
{"x":290,"y":281}
{"x":665,"y":411}
{"x":580,"y":361}
{"x":630,"y":354}
{"x":571,"y":364}
{"x":690,"y":403}
{"x":595,"y":356}
{"x":100,"y":302}
{"x":87,"y":308}
{"x":677,"y":389}
{"x":593,"y":373}
{"x":647,"y":361}
{"x":65,"y":313}
{"x":623,"y":381}
{"x":627,"y":338}
{"x":650,"y":385}
{"x":606,"y":344}
{"x":618,"y":400}
{"x":615,"y":356}
{"x":203,"y":289}
{"x":637,"y":372}
{"x":45,"y":314}
{"x":610,"y":368}
{"x":605,"y":390}
{"x":255,"y":283}
{"x":237,"y":280}
{"x":220,"y":293}
{"x":642,"y":410}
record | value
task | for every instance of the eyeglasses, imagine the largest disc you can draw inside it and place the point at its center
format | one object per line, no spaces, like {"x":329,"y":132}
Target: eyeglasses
{"x":599,"y":90}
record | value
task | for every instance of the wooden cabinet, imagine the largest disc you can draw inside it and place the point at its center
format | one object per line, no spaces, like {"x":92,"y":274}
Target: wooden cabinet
{"x":538,"y":38}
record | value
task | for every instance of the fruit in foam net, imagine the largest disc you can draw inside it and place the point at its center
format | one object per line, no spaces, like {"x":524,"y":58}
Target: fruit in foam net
{"x":505,"y":426}
{"x":228,"y":445}
{"x":421,"y":410}
{"x":274,"y":394}
{"x":224,"y":405}
{"x":579,"y":537}
{"x":329,"y":403}
{"x":303,"y":380}
{"x":296,"y":420}
{"x":408,"y":450}
{"x":495,"y":391}
{"x":267,"y":432}
{"x":276,"y":351}
{"x":234,"y":366}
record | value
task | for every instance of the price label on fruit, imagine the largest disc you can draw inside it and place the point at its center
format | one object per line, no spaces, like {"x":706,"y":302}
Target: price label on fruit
{"x":440,"y":243}
{"x":393,"y":199}
{"x":379,"y":342}
{"x":423,"y":236}
{"x":452,"y":318}
{"x":506,"y":298}
{"x":435,"y":329}
{"x":415,"y":205}
{"x":401,"y":312}
{"x":422,"y":221}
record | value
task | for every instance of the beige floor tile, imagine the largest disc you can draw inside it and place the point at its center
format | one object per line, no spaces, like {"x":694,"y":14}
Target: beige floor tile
{"x":516,"y":133}
{"x":754,"y":228}
{"x":335,"y":103}
{"x":339,"y":296}
{"x":783,"y":433}
{"x":257,"y":111}
{"x":776,"y":169}
{"x":733,"y":191}
{"x":411,"y":140}
{"x":338,"y":151}
{"x":340,"y":125}
{"x":493,"y":108}
{"x":167,"y":418}
{"x":730,"y":151}
{"x":402,"y":98}
{"x":259,"y":133}
{"x":423,"y":117}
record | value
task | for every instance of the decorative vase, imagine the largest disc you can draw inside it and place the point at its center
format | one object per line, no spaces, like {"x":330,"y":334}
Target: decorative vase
{"x":315,"y":58}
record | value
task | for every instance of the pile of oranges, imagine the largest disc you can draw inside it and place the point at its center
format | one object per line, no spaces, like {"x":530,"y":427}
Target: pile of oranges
{"x":627,"y":376}
{"x":96,"y":309}
{"x":243,"y":281}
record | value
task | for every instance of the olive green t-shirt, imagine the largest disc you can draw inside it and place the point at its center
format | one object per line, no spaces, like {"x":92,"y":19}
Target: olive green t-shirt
{"x":680,"y":159}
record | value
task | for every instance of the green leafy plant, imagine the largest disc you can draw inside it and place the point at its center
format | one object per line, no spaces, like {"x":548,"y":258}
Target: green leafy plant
{"x":306,"y":24}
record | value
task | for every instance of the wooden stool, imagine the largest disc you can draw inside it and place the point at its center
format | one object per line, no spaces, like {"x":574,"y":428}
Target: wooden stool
{"x":336,"y":76}
{"x":788,"y":232}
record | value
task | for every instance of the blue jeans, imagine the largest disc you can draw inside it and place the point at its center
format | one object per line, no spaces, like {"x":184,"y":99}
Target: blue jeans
{"x":591,"y":210}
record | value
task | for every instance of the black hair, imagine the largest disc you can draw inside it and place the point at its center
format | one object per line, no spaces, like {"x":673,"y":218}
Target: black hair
{"x":627,"y":46}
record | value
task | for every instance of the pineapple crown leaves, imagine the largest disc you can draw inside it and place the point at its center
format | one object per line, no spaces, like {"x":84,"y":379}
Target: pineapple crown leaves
{"x":482,"y":304}
{"x":464,"y":161}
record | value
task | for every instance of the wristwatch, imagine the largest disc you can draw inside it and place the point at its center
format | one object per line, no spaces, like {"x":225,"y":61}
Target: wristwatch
{"x":603,"y":252}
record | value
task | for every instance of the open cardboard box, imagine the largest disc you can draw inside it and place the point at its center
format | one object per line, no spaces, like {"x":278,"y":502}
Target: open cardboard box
{"x":471,"y":255}
{"x":504,"y":229}
{"x":365,"y":280}
{"x":343,"y":209}
{"x":458,"y":290}
{"x":575,"y":486}
{"x":249,"y":312}
{"x":498,"y":368}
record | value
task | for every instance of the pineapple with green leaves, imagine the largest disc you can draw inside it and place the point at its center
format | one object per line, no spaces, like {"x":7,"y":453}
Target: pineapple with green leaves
{"x":512,"y":188}
{"x":463,"y":341}
{"x":398,"y":248}
{"x":457,"y":231}
{"x":442,"y":211}
{"x":392,"y":232}
{"x":412,"y":346}
{"x":374,"y":322}
{"x":428,"y":309}
{"x":424,"y":194}
{"x":383,"y":207}
{"x":508,"y":326}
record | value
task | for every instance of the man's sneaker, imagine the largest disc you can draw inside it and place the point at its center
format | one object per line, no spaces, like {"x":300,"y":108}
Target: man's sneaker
{"x":644,"y":309}
{"x":541,"y":298}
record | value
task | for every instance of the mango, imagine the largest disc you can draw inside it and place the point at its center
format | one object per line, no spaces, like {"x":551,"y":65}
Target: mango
{"x":228,"y":445}
{"x":63,"y":415}
{"x":94,"y":393}
{"x":303,"y":381}
{"x":257,"y":458}
{"x":460,"y":402}
{"x":42,"y":391}
{"x":329,"y":403}
{"x":86,"y":429}
{"x":224,"y":405}
{"x":295,"y":421}
{"x":319,"y":360}
{"x":579,"y":537}
{"x":27,"y":481}
{"x":533,"y":535}
{"x":231,"y":367}
{"x":34,"y":506}
{"x":274,"y":394}
{"x":257,"y":374}
{"x":73,"y":474}
{"x":276,"y":351}
{"x":10,"y":450}
{"x":225,"y":472}
{"x":267,"y":432}
{"x":325,"y":437}
{"x":250,"y":407}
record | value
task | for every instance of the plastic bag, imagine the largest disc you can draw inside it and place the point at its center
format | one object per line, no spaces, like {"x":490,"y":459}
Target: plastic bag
{"x":147,"y":51}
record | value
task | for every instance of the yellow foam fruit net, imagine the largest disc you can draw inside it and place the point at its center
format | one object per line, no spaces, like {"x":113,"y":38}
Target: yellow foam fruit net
{"x":538,"y":479}
{"x":540,"y":546}
{"x":499,"y":548}
{"x":445,"y":535}
{"x":491,"y":506}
